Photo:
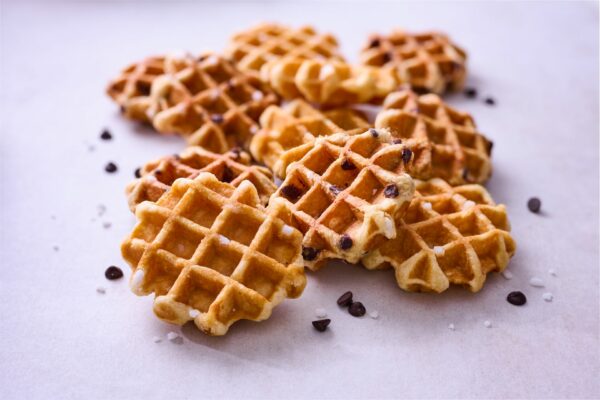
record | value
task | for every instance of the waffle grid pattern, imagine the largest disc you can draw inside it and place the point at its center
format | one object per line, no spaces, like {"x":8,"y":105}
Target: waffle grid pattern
{"x":232,"y":167}
{"x":298,"y":124}
{"x":338,"y":196}
{"x":257,"y":46}
{"x":211,"y":103}
{"x":459,"y":153}
{"x":448,"y":235}
{"x":428,"y":62}
{"x":211,"y":254}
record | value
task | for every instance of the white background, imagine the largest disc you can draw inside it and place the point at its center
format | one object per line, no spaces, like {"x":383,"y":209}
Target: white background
{"x":60,"y":339}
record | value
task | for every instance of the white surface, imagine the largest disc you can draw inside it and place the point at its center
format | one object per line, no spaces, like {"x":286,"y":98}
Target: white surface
{"x":61,"y":339}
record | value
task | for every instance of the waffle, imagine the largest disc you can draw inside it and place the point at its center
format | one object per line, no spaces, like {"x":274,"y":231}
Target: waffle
{"x":298,"y":124}
{"x":232,"y":167}
{"x":344,"y":197}
{"x":459,"y":153}
{"x":328,"y":82}
{"x":211,"y":254}
{"x":253,"y":48}
{"x":131,"y":90}
{"x":429,"y":62}
{"x":211,"y":103}
{"x":449,"y":235}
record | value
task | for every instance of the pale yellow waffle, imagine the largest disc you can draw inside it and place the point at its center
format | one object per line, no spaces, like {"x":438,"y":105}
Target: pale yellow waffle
{"x":211,"y":254}
{"x":131,"y":89}
{"x":344,"y":197}
{"x":253,"y":48}
{"x":459,"y":153}
{"x":428,"y":61}
{"x":448,"y":235}
{"x":328,"y":82}
{"x":233,"y":167}
{"x":211,"y":103}
{"x":298,"y":124}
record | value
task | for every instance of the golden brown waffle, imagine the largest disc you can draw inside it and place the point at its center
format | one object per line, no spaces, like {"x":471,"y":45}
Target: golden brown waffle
{"x":131,"y":90}
{"x":211,"y":103}
{"x":211,"y":254}
{"x":298,"y":124}
{"x":344,"y":197}
{"x":428,"y":61}
{"x":253,"y":48}
{"x":328,"y":82}
{"x":459,"y":153}
{"x":232,"y":167}
{"x":449,"y":235}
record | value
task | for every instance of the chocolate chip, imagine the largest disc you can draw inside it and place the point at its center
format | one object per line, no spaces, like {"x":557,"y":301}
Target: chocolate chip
{"x":397,"y":141}
{"x":122,"y":109}
{"x":321,"y":324}
{"x":335,"y":189}
{"x":391,"y":191}
{"x":534,"y":204}
{"x":291,"y":192}
{"x":374,"y":43}
{"x":490,"y":101}
{"x":216,"y":118}
{"x":516,"y":298}
{"x":309,"y":254}
{"x":111,"y":167}
{"x":357,"y":309}
{"x":138,"y":172}
{"x":465,"y":175}
{"x":236,"y":152}
{"x":387,"y":57}
{"x":105,"y":135}
{"x":406,"y":155}
{"x":471,"y":93}
{"x":490,"y":146}
{"x":113,"y":272}
{"x":345,"y":300}
{"x":227,"y":174}
{"x":347,"y":165}
{"x":345,"y":242}
{"x":374,"y":132}
{"x":158,"y":172}
{"x":420,"y":90}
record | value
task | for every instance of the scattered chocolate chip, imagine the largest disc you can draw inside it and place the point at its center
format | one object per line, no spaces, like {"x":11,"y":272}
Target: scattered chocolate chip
{"x":309,"y":254}
{"x":357,"y":309}
{"x":374,"y":132}
{"x":122,"y":109}
{"x":374,"y":43}
{"x":138,"y":172}
{"x":516,"y":298}
{"x":321,"y":324}
{"x":335,"y":189}
{"x":202,"y":57}
{"x":236,"y":152}
{"x":534,"y":204}
{"x":387,"y":57}
{"x":347,"y":165}
{"x":490,"y":101}
{"x":406,"y":155}
{"x":291,"y":192}
{"x":471,"y":93}
{"x":421,"y":90}
{"x":111,"y":167}
{"x":227,"y":174}
{"x":113,"y":272}
{"x":397,"y":141}
{"x":157,"y":172}
{"x":105,"y":135}
{"x":345,"y":300}
{"x":216,"y":118}
{"x":345,"y":242}
{"x":391,"y":191}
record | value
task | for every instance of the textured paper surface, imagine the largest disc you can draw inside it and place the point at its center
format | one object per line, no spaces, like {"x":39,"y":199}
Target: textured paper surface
{"x":61,"y":339}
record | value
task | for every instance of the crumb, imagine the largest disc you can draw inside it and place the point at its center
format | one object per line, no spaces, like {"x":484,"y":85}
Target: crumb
{"x":55,"y":248}
{"x":487,"y":324}
{"x":321,"y":313}
{"x":374,"y":314}
{"x":100,"y":290}
{"x":536,"y":282}
{"x":173,"y":336}
{"x":157,"y":339}
{"x":507,"y":274}
{"x":106,"y":225}
{"x":451,"y":327}
{"x":552,"y":272}
{"x":548,"y":296}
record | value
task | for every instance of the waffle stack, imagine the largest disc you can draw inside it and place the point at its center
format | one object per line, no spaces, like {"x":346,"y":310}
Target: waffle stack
{"x":218,"y":240}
